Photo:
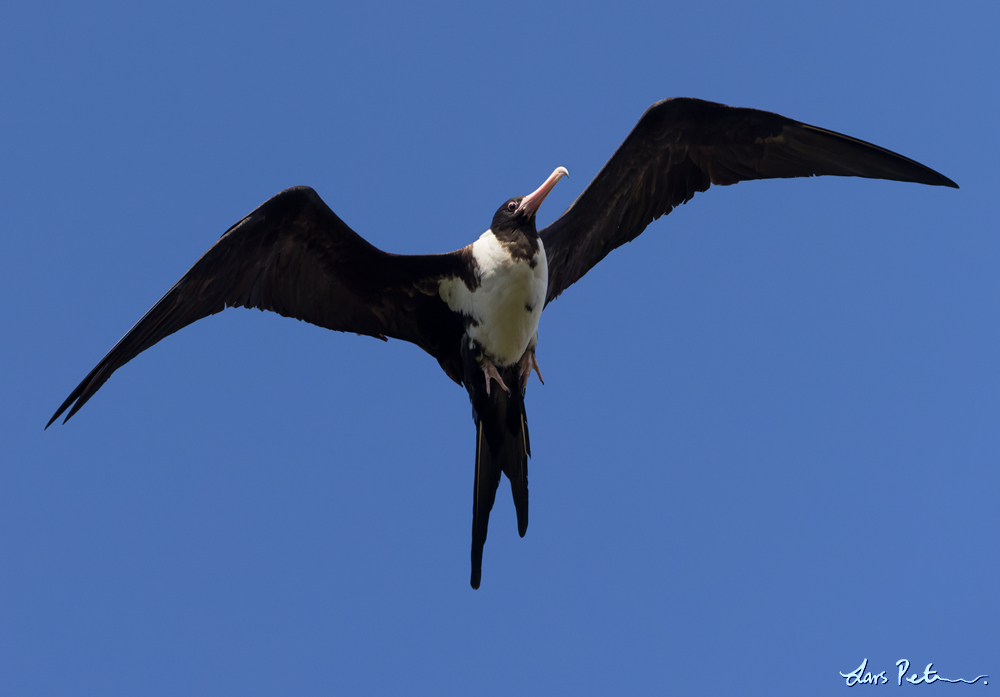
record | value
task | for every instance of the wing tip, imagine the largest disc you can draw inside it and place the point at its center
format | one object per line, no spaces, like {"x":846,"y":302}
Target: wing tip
{"x":933,"y":178}
{"x":63,"y":407}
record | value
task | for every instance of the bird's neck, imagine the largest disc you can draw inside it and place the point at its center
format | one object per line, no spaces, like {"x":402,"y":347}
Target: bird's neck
{"x":520,"y":242}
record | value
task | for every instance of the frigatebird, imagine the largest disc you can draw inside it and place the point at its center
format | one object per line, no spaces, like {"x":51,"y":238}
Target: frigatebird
{"x":476,"y":310}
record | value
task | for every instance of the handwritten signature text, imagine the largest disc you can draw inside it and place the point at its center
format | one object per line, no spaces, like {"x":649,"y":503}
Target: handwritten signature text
{"x":862,"y":676}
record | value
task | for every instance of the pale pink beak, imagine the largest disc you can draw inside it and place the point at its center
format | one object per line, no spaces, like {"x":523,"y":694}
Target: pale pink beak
{"x":533,"y":201}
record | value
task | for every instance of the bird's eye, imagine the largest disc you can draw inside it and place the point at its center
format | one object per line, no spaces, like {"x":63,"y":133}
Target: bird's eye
{"x":512,"y":206}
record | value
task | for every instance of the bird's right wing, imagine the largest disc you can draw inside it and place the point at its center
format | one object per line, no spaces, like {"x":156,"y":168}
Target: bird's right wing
{"x":682,"y":146}
{"x":294,"y":256}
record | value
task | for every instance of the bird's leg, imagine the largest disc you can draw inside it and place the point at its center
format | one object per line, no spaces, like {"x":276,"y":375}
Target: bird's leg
{"x":490,"y":371}
{"x":527,"y":362}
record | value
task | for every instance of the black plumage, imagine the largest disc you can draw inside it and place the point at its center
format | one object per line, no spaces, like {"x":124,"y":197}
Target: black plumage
{"x":294,"y":256}
{"x":682,"y":146}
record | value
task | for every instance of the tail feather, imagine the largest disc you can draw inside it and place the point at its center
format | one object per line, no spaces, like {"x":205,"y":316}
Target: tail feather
{"x":483,"y":495}
{"x":502,"y":445}
{"x":516,"y":469}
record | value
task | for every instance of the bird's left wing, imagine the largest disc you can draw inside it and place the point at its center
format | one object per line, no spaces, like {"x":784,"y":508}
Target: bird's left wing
{"x":682,"y":146}
{"x":294,"y":256}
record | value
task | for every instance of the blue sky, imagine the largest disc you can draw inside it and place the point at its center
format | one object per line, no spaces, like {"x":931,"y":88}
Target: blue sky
{"x":767,"y":444}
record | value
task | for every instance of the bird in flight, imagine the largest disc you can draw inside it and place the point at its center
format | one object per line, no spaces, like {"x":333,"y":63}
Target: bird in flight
{"x":476,"y":310}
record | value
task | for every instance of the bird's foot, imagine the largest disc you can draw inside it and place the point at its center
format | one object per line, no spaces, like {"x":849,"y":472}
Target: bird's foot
{"x":525,"y":365}
{"x":490,"y":371}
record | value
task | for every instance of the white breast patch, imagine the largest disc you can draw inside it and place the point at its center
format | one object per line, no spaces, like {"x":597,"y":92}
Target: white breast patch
{"x":507,"y":288}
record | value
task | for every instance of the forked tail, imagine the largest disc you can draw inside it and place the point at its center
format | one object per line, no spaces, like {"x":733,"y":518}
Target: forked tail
{"x":502,"y":445}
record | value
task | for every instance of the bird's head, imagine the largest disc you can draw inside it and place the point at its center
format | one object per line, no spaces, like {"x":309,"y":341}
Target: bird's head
{"x":519,"y":211}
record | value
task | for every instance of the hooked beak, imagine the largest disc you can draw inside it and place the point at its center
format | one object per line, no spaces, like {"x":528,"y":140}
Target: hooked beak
{"x":533,"y":201}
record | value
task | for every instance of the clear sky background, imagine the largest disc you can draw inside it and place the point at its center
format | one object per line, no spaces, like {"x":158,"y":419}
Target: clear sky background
{"x":766,"y":449}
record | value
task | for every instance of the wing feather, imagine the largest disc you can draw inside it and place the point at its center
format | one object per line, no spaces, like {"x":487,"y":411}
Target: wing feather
{"x":681,"y":147}
{"x":294,"y":256}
